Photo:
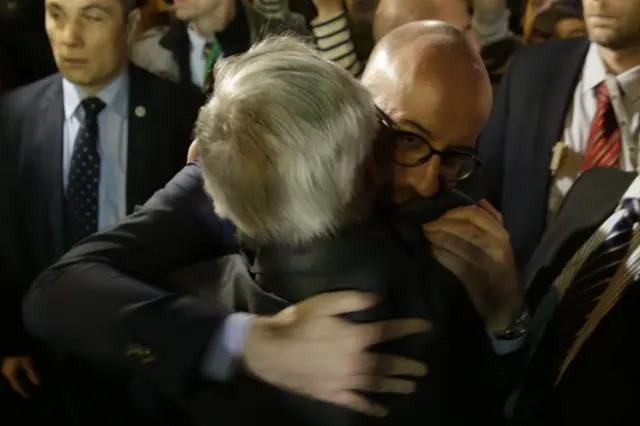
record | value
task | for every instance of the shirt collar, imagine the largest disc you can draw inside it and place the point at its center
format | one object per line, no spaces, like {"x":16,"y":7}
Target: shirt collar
{"x":594,"y":73}
{"x":115,"y":96}
{"x":195,"y":39}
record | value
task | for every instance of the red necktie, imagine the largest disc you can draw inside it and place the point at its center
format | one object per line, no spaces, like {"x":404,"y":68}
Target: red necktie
{"x":605,"y":144}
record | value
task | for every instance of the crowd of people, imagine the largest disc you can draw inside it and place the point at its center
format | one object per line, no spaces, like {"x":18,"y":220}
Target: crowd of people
{"x":319,"y":212}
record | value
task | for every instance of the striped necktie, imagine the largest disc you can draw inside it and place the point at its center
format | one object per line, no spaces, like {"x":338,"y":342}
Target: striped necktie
{"x":605,"y":143}
{"x":580,"y":299}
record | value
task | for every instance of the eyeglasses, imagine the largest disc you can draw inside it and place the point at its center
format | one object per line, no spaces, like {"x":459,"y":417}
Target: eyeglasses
{"x":413,"y":150}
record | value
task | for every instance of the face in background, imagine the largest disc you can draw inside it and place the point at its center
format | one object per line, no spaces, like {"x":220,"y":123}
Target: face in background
{"x":613,"y":24}
{"x":188,"y":10}
{"x":453,"y":12}
{"x":90,"y":40}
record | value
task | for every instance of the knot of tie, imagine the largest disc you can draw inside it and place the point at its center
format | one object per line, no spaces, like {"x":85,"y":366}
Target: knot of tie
{"x":602,"y":94}
{"x":92,"y":106}
{"x":632,"y":207}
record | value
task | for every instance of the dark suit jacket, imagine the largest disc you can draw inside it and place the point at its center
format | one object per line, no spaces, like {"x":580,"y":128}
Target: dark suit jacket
{"x":144,"y":322}
{"x":31,"y":212}
{"x":370,"y":257}
{"x":602,"y":386}
{"x":526,"y":121}
{"x":31,"y":134}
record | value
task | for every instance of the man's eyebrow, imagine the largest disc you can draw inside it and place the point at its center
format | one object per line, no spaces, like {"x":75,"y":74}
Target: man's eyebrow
{"x":95,"y":6}
{"x":422,"y":130}
{"x":54,"y":6}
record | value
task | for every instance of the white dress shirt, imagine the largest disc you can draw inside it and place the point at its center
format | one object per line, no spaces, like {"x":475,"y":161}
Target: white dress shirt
{"x":625,"y":97}
{"x":197,"y":61}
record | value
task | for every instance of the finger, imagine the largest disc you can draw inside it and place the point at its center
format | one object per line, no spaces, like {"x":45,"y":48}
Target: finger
{"x":15,"y":385}
{"x":384,"y":365}
{"x":466,"y":251}
{"x":393,"y":365}
{"x":31,"y":372}
{"x":471,"y":214}
{"x":336,"y":303}
{"x":383,"y":331}
{"x":460,"y":229}
{"x":464,"y":239}
{"x":382,"y":384}
{"x":358,"y":403}
{"x":486,"y":205}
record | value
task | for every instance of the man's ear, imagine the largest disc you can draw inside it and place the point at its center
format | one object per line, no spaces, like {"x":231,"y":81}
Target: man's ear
{"x":133,"y":25}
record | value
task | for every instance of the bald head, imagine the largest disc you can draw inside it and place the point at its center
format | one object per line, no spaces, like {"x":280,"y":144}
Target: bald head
{"x":421,"y":52}
{"x":431,"y":81}
{"x":392,"y":14}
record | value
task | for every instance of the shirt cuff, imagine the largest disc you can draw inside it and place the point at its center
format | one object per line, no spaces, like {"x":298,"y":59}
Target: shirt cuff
{"x":505,"y":347}
{"x":221,"y":357}
{"x":334,"y":41}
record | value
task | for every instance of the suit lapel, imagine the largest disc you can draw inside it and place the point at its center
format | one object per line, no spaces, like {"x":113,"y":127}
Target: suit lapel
{"x":48,"y":136}
{"x":593,"y":197}
{"x":141,"y":131}
{"x":556,"y":100}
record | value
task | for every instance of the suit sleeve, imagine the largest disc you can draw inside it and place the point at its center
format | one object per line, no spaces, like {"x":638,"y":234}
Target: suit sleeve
{"x":106,"y":299}
{"x":14,"y":257}
{"x":492,"y":141}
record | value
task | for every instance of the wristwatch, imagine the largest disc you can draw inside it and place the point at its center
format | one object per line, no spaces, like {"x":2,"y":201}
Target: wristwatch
{"x":517,"y":329}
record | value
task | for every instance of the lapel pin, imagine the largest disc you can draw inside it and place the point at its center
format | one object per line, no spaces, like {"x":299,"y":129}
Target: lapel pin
{"x":140,"y":111}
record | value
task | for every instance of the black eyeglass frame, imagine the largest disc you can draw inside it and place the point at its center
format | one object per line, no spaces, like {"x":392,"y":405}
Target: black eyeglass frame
{"x":389,"y":125}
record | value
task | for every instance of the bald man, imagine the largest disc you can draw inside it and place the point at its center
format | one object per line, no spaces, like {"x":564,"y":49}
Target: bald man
{"x":431,"y":83}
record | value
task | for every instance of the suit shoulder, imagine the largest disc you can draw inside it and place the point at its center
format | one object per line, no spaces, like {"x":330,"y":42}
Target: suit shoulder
{"x":163,"y":85}
{"x":549,"y":52}
{"x":26,"y":95}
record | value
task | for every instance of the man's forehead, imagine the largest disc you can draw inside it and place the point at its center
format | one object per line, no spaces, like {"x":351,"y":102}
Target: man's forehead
{"x":106,"y":5}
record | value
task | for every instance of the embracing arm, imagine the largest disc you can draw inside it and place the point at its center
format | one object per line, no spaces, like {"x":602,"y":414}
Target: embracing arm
{"x":106,"y":300}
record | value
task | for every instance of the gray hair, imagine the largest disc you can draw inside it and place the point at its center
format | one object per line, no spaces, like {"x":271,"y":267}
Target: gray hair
{"x":282,"y":142}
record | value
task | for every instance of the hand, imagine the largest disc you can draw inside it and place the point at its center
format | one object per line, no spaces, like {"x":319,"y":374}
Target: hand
{"x":472,"y":243}
{"x":328,"y":8}
{"x":12,"y":367}
{"x":309,"y":350}
{"x":192,"y":154}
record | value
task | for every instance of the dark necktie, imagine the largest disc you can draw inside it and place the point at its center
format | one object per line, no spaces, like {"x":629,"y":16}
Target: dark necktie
{"x":211,"y":53}
{"x":84,"y":177}
{"x":604,"y":144}
{"x":580,"y":299}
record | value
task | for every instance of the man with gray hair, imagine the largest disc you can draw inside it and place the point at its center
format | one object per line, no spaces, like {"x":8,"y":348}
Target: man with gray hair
{"x":284,"y":142}
{"x":294,"y":153}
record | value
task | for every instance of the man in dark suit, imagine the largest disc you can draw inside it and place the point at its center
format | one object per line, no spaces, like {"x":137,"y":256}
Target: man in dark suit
{"x":564,"y":106}
{"x":182,"y":216}
{"x":583,"y":291}
{"x":81,"y":149}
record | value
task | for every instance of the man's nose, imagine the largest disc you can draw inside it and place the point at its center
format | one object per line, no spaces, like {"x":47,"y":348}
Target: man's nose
{"x":71,"y":34}
{"x":425,"y":178}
